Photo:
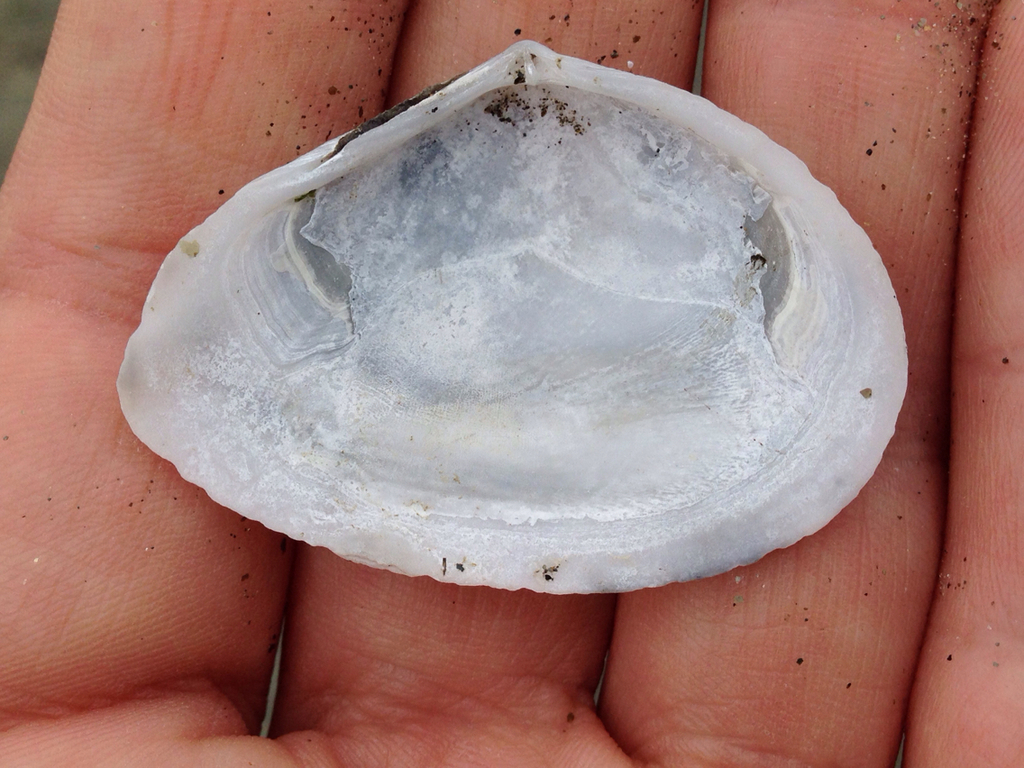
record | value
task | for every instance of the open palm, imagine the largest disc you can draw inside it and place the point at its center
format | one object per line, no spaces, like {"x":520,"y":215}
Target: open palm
{"x":139,"y":621}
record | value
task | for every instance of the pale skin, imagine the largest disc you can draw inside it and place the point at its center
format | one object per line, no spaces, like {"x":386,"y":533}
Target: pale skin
{"x":138,"y":619}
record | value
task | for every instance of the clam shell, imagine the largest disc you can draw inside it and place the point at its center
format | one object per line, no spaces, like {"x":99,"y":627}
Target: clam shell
{"x":549,"y":325}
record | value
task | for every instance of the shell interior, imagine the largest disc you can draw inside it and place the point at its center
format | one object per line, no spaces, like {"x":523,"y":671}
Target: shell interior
{"x":552,"y":326}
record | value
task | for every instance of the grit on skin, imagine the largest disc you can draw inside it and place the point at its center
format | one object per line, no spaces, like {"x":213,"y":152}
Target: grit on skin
{"x":139,"y":620}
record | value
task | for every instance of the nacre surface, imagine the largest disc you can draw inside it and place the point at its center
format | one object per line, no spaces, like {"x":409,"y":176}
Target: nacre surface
{"x":553,"y":326}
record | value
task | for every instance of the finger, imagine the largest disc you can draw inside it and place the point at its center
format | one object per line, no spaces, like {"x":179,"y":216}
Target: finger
{"x":386,"y":664}
{"x":120,"y":579}
{"x":807,"y":654}
{"x":143,"y":126}
{"x":966,"y":707}
{"x":655,"y":38}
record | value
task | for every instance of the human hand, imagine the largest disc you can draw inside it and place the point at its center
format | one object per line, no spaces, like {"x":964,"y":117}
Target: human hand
{"x":139,"y":619}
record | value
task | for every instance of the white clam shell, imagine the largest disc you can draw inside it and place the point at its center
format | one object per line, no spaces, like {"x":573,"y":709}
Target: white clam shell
{"x":555,"y":326}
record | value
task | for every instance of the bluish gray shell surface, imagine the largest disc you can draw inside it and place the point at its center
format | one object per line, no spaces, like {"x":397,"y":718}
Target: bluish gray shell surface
{"x":554,"y":326}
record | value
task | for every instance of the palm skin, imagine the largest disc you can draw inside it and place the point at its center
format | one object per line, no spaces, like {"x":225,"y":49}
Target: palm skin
{"x":138,"y":619}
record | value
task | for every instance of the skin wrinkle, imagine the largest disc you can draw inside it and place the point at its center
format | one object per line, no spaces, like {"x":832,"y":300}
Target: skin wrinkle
{"x":592,"y":31}
{"x":55,"y":265}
